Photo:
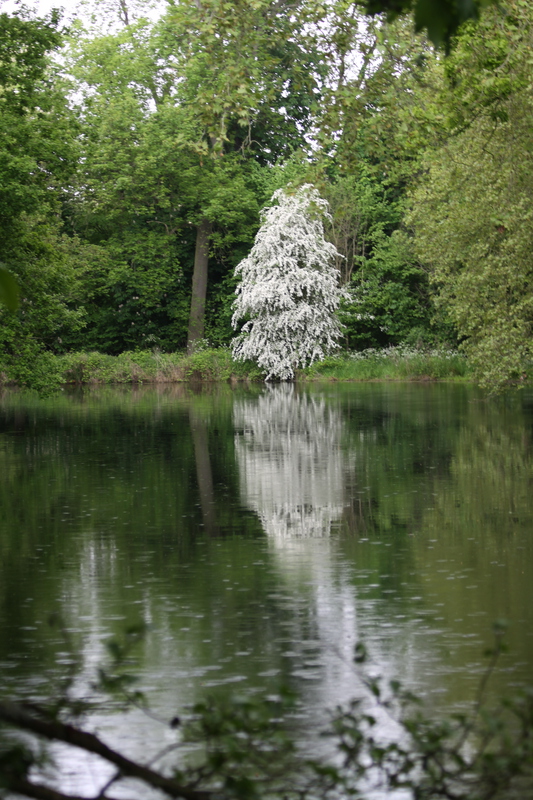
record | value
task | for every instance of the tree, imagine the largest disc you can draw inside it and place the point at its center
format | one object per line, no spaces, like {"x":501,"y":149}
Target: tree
{"x":387,"y":115}
{"x":389,"y":296}
{"x":248,"y":85}
{"x":471,"y":212}
{"x":290,"y":289}
{"x":473,"y":227}
{"x":180,"y":117}
{"x":23,"y":47}
{"x":144,"y":187}
{"x":37,"y":154}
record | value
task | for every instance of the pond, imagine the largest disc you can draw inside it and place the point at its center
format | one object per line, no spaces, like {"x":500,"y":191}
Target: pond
{"x":259,"y":534}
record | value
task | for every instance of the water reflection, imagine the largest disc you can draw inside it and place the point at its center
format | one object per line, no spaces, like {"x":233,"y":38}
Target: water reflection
{"x":291,"y":465}
{"x":293,"y":474}
{"x":432,"y":530}
{"x":260,"y":533}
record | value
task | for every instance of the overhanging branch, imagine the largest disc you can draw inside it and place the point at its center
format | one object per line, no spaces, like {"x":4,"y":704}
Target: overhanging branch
{"x":54,"y":730}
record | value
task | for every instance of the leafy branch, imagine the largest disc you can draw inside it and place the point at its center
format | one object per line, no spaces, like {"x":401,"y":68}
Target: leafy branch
{"x":246,"y":751}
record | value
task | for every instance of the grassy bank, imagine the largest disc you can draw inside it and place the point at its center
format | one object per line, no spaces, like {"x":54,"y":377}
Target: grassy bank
{"x":48,"y":372}
{"x":391,"y":364}
{"x":145,"y":366}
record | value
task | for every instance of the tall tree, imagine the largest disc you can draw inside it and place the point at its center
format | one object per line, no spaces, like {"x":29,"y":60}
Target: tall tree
{"x":471,"y":212}
{"x":37,"y":152}
{"x":249,"y":75}
{"x":194,"y":118}
{"x":382,"y":120}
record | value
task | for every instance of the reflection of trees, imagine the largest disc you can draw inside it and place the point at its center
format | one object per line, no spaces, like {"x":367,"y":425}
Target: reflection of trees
{"x":290,"y":460}
{"x":293,"y":476}
{"x":204,"y":473}
{"x":439,"y":515}
{"x":446,"y":502}
{"x":105,"y":472}
{"x":100,"y":515}
{"x":480,"y":522}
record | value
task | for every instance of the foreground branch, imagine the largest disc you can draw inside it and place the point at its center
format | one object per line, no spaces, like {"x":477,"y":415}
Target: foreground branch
{"x":55,"y":730}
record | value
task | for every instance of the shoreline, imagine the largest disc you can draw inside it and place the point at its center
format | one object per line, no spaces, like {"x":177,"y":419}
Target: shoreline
{"x":215,"y":365}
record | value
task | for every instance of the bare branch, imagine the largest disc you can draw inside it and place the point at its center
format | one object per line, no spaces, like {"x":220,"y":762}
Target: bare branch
{"x":55,"y":730}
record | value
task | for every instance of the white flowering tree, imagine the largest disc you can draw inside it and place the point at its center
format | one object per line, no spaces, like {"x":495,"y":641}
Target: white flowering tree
{"x":289,"y":292}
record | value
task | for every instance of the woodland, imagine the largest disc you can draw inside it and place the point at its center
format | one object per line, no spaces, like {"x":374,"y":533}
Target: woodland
{"x":139,"y":145}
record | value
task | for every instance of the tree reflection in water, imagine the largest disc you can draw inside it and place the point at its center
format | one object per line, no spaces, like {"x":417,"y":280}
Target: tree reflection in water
{"x":293,"y":473}
{"x":288,"y":448}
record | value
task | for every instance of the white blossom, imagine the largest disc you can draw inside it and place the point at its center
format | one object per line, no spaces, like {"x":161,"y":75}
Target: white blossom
{"x":289,"y":292}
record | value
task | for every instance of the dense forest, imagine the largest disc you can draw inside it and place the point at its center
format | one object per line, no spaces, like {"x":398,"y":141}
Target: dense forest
{"x":139,"y":145}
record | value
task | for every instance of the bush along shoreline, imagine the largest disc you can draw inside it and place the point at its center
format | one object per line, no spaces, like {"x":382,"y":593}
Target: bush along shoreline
{"x":399,"y":363}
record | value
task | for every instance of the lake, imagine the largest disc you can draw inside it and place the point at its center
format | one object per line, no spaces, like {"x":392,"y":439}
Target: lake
{"x":259,"y":533}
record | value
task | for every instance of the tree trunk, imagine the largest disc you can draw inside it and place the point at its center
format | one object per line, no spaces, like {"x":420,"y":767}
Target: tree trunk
{"x":199,"y":284}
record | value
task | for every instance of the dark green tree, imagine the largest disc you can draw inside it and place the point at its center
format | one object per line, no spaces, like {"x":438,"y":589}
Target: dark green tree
{"x":37,"y":156}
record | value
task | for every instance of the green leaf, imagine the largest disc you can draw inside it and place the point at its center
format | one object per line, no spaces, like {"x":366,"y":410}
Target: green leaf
{"x":9,"y":290}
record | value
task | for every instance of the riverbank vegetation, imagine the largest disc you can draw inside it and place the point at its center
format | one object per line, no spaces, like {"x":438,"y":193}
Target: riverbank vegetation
{"x":392,"y":363}
{"x":136,"y":157}
{"x":217,"y":364}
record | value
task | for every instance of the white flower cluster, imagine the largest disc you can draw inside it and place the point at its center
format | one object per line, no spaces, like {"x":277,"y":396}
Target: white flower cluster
{"x":290,"y":290}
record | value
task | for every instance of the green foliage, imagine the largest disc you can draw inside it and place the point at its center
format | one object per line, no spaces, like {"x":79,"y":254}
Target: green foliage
{"x":48,"y":298}
{"x":392,"y":363}
{"x":208,"y":365}
{"x":132,"y":293}
{"x":149,"y":366}
{"x":101,"y":205}
{"x":473,"y":227}
{"x":390,"y":114}
{"x":128,"y":367}
{"x":248,"y":371}
{"x":9,"y":290}
{"x":48,"y":372}
{"x":40,"y":371}
{"x":388,"y":291}
{"x":145,"y":186}
{"x":36,"y":160}
{"x":389,"y":296}
{"x":391,"y":110}
{"x":34,"y":122}
{"x":249,"y":76}
{"x":471,"y":210}
{"x":245,"y":744}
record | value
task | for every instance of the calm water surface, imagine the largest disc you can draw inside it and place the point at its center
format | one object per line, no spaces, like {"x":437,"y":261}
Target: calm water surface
{"x":260,"y":533}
